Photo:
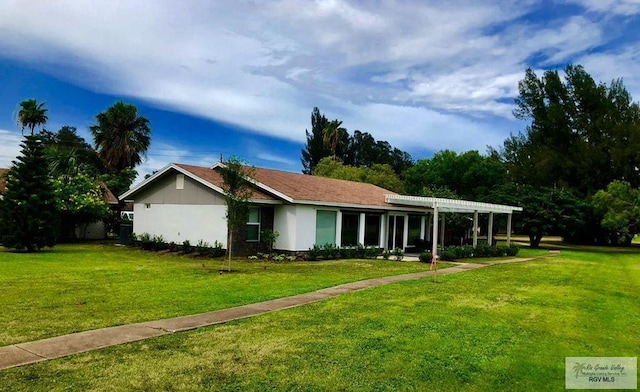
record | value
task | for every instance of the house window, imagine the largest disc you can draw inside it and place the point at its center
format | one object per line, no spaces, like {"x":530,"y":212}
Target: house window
{"x":372,"y":230}
{"x":415,"y":226}
{"x":180,"y":181}
{"x":349,"y":236}
{"x":325,"y":227}
{"x":253,"y":224}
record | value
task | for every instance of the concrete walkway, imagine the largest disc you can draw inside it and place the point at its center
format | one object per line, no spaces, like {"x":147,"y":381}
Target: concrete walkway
{"x":62,"y":346}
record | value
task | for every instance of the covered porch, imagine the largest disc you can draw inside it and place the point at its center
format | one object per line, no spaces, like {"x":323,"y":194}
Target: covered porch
{"x":433,"y":206}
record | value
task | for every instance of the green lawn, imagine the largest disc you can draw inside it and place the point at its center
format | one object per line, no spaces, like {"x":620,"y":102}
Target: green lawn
{"x":80,"y":287}
{"x":505,"y":327}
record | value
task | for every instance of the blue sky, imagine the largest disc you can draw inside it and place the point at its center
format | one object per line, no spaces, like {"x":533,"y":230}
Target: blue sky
{"x":241,"y":77}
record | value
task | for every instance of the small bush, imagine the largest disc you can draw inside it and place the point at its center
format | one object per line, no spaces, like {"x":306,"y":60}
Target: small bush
{"x":386,"y":254}
{"x":203,"y":248}
{"x":447,"y":255}
{"x":217,"y":250}
{"x":172,"y":246}
{"x":158,"y":243}
{"x":398,"y":254}
{"x":425,"y":257}
{"x":186,"y":247}
{"x":512,"y":250}
{"x":314,"y":252}
{"x":371,"y":252}
{"x":330,"y":252}
{"x":145,"y":241}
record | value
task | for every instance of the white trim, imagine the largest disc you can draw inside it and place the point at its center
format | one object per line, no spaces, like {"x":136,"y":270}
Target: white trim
{"x":163,"y":171}
{"x":450,"y":205}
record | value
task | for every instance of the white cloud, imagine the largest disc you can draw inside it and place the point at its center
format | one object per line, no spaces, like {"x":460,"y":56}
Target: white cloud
{"x":9,"y":147}
{"x":391,"y":68}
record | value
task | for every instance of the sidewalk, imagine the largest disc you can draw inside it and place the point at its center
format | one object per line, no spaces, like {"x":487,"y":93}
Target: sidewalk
{"x":61,"y":346}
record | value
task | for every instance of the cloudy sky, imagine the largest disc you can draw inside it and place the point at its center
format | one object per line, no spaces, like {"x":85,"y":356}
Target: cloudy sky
{"x":241,"y":77}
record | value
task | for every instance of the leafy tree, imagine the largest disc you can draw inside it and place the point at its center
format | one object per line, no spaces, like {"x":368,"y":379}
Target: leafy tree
{"x":120,"y":182}
{"x":380,"y":175}
{"x":619,"y":206}
{"x":469,"y":175}
{"x":238,"y":192}
{"x":315,"y":148}
{"x":121,"y":136}
{"x":29,"y":213}
{"x":546,"y":211}
{"x":31,"y":114}
{"x":70,"y":154}
{"x":582,"y":134}
{"x":80,"y":200}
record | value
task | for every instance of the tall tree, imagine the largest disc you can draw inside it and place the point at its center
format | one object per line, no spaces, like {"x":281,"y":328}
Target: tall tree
{"x":334,"y":135}
{"x":237,"y":193}
{"x":29,"y":213}
{"x":619,"y":206}
{"x":377,"y":174}
{"x":32,"y":114}
{"x":315,"y":148}
{"x":469,"y":175}
{"x":582,"y":135}
{"x":121,"y":136}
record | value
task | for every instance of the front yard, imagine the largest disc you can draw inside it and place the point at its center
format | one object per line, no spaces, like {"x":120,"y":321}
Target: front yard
{"x":506,"y":327}
{"x":80,"y":287}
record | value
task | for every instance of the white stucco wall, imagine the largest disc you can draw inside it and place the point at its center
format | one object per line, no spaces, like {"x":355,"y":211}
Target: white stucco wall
{"x":177,"y":222}
{"x":297,"y":227}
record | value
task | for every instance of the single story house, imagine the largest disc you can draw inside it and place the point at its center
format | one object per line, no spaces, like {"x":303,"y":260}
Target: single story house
{"x":185,"y":202}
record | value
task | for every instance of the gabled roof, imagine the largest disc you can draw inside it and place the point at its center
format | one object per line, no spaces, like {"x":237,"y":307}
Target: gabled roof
{"x":206,"y":176}
{"x":286,"y":187}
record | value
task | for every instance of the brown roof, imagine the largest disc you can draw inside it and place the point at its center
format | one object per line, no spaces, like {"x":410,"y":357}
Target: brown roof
{"x":107,"y":194}
{"x":213,"y":177}
{"x":3,"y":179}
{"x":306,"y":188}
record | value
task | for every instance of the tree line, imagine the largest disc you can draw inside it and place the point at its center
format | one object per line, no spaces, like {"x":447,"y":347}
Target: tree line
{"x":575,"y":169}
{"x":59,"y":180}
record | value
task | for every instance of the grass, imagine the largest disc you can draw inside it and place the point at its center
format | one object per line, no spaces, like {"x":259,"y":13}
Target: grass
{"x":506,"y":327}
{"x":80,"y":287}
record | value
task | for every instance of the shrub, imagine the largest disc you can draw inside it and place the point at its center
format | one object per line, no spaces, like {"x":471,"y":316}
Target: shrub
{"x":314,"y":252}
{"x":217,"y":250}
{"x":447,"y":255}
{"x":133,"y":240}
{"x":386,"y":254}
{"x":347,"y":253}
{"x":425,"y":257}
{"x":145,"y":241}
{"x":172,"y":246}
{"x":278,"y":258}
{"x":186,"y":247}
{"x":329,"y":252}
{"x":203,"y":248}
{"x":513,"y":250}
{"x":398,"y":253}
{"x":371,"y":252}
{"x":158,"y":243}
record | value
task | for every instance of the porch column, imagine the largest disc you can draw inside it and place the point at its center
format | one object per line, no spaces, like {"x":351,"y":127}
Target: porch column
{"x":423,"y":222}
{"x":405,"y":234}
{"x":475,"y":228}
{"x":384,"y":218}
{"x":490,"y":229}
{"x":339,"y":229}
{"x":442,"y":232}
{"x":361,"y":227}
{"x":434,"y":246}
{"x":429,"y":223}
{"x":509,"y":228}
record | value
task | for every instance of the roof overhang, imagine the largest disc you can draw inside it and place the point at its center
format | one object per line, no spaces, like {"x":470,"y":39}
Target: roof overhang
{"x":450,"y":205}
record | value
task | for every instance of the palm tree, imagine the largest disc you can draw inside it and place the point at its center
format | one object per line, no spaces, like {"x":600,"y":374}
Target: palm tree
{"x":332,"y":134}
{"x":121,"y":136}
{"x":31,"y":114}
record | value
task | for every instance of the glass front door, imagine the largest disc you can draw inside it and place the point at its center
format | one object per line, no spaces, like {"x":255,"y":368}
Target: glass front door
{"x":395,"y":232}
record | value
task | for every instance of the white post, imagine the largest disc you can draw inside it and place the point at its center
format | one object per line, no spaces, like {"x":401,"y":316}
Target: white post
{"x":509,"y":228}
{"x":490,"y":229}
{"x":405,"y":230}
{"x":475,"y":228}
{"x":434,"y":237}
{"x":361,"y":226}
{"x":339,"y":229}
{"x":423,"y":218}
{"x":429,"y":224}
{"x":442,"y":232}
{"x":383,"y":230}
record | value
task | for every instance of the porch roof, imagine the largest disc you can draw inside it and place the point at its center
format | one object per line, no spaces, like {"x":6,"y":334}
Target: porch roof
{"x":450,"y":205}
